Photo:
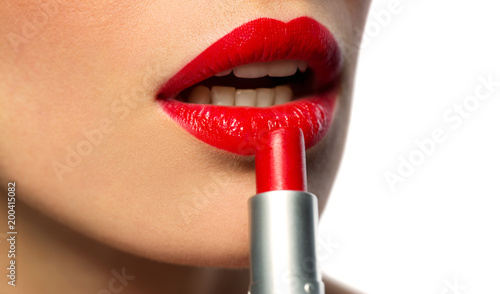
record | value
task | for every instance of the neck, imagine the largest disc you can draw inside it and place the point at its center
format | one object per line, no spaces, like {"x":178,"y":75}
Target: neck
{"x":57,"y":259}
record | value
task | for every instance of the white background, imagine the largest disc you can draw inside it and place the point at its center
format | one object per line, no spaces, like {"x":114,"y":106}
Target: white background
{"x":439,"y":230}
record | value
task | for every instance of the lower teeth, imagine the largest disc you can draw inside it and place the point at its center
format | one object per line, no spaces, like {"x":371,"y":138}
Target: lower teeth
{"x":229,"y":96}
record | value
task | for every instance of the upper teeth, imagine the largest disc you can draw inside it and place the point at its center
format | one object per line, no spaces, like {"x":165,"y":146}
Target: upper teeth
{"x":229,"y":96}
{"x":261,"y":97}
{"x":278,"y":68}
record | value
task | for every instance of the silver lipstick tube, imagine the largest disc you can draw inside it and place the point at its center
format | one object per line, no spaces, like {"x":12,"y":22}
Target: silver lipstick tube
{"x":283,"y":231}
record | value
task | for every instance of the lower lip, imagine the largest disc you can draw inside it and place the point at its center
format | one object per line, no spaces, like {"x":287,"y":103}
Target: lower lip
{"x":243,"y":130}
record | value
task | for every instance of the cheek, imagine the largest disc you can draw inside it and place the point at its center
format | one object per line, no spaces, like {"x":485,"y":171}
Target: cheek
{"x":70,"y":74}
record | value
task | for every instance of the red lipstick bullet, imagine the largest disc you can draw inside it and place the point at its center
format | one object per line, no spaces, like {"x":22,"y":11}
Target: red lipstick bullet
{"x":281,"y":165}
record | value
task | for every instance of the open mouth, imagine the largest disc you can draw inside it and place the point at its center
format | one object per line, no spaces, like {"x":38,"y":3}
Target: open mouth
{"x":262,"y":76}
{"x":260,"y":84}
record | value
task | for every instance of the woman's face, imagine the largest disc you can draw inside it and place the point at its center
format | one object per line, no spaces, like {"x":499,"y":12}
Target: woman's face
{"x":86,"y":139}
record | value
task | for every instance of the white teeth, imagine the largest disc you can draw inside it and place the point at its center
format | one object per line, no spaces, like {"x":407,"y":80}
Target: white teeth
{"x":199,"y":95}
{"x":246,"y":98}
{"x":283,"y":68}
{"x":302,"y":66}
{"x":223,"y":95}
{"x":283,"y":95}
{"x":252,"y":70}
{"x":279,"y":68}
{"x":265,"y":97}
{"x":261,"y":97}
{"x":229,"y":96}
{"x":224,"y":73}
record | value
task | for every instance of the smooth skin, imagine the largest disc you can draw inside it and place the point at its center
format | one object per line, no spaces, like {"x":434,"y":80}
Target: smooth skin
{"x":105,"y":181}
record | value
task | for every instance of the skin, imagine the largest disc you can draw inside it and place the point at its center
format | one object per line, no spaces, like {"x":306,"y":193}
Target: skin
{"x":145,"y":196}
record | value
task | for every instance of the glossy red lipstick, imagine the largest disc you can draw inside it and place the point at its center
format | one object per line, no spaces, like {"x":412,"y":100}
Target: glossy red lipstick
{"x":237,"y":129}
{"x":283,"y":220}
{"x":280,"y":165}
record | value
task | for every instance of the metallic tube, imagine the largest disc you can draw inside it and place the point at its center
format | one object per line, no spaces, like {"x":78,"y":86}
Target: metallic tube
{"x":283,"y":229}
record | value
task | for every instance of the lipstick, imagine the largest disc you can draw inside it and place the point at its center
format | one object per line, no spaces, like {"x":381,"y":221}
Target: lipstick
{"x":283,"y":220}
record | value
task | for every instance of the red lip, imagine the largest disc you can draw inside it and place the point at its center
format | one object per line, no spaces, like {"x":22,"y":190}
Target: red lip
{"x":240,"y":129}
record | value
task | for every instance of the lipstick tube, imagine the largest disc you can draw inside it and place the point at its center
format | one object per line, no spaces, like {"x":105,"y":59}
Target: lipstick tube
{"x":283,"y":220}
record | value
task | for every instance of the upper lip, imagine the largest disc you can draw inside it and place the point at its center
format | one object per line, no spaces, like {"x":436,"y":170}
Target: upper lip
{"x":244,"y":47}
